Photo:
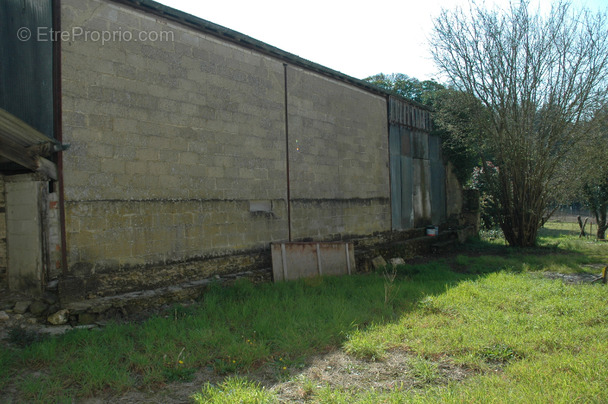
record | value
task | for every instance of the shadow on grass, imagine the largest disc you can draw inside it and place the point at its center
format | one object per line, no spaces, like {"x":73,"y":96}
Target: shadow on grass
{"x":557,"y":233}
{"x":427,"y":277}
{"x":245,"y":327}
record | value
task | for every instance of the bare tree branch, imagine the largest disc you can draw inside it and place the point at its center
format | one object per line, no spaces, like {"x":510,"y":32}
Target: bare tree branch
{"x":542,"y":78}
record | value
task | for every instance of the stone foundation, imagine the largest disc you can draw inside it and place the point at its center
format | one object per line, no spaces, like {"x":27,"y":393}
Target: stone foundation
{"x":89,"y":282}
{"x":91,"y":296}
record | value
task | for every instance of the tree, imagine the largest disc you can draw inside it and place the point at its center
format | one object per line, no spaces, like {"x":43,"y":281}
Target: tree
{"x":591,"y":161}
{"x":539,"y":78}
{"x":596,"y":198}
{"x":406,"y":86}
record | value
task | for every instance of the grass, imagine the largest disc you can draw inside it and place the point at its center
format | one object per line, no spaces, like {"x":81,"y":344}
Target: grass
{"x":518,"y":336}
{"x":234,"y":390}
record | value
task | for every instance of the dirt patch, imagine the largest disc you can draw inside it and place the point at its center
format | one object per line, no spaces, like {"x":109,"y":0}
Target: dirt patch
{"x":335,"y":370}
{"x":573,"y":278}
{"x":172,"y":393}
{"x":338,"y":371}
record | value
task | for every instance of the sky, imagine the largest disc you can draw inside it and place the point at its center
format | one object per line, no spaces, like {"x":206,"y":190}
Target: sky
{"x":357,"y":38}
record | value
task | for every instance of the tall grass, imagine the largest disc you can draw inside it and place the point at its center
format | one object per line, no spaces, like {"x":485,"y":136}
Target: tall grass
{"x":515,"y":333}
{"x":234,"y":329}
{"x":520,"y":337}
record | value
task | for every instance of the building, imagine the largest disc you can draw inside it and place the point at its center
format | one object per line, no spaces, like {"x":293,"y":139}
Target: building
{"x":191,"y":148}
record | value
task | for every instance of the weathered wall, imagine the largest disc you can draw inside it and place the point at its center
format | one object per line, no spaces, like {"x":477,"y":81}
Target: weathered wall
{"x":454,"y":199}
{"x":417,"y":169}
{"x":338,"y":148}
{"x":26,"y":249}
{"x":52,"y":234}
{"x":176,"y":144}
{"x":170,"y":142}
{"x":2,"y":235}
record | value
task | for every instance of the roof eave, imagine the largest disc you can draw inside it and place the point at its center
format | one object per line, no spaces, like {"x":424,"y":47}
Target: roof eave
{"x":248,"y":42}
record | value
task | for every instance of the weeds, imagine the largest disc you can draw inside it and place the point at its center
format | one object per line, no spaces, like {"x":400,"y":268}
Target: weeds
{"x":499,"y":353}
{"x":476,"y":310}
{"x":235,"y":390}
{"x":389,"y":284}
{"x":361,"y":346}
{"x":22,"y":337}
{"x":424,"y":370}
{"x":178,"y":370}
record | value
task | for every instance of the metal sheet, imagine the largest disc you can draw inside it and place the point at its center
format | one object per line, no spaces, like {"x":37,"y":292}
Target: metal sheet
{"x":292,"y":261}
{"x":417,"y":191}
{"x":406,"y":142}
{"x":404,"y":113}
{"x":421,"y":192}
{"x":395,"y":173}
{"x":25,"y":146}
{"x":420,"y":145}
{"x":26,"y":61}
{"x":407,"y":184}
{"x":434,"y":147}
{"x":438,"y":201}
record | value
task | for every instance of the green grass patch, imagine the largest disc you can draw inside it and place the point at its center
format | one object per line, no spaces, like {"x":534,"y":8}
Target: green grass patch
{"x":234,"y":390}
{"x":519,"y":336}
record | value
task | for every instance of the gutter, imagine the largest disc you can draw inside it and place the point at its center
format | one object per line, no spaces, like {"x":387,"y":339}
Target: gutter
{"x":58,"y":129}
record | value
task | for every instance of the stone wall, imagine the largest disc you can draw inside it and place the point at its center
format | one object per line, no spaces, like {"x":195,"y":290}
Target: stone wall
{"x":178,"y":148}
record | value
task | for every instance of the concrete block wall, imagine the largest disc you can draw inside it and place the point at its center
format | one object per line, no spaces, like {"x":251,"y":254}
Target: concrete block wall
{"x":336,"y":219}
{"x":52,"y":235}
{"x":178,"y":119}
{"x":171,"y":141}
{"x":124,"y":234}
{"x":338,"y":140}
{"x":25,"y":196}
{"x":178,"y":151}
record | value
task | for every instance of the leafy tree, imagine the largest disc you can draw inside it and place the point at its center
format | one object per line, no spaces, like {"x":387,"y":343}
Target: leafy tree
{"x":538,"y":78}
{"x":591,"y":171}
{"x":399,"y":84}
{"x":596,"y":198}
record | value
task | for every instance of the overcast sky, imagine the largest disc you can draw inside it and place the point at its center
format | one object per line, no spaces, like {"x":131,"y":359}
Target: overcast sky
{"x":356,"y":38}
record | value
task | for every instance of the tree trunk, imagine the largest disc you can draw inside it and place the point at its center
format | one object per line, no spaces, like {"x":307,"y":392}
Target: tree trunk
{"x":600,"y":217}
{"x":521,"y":213}
{"x":601,"y":231}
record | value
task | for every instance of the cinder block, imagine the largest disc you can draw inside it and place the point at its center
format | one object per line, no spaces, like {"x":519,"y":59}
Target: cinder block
{"x":147,"y":154}
{"x":203,"y":120}
{"x":112,"y":166}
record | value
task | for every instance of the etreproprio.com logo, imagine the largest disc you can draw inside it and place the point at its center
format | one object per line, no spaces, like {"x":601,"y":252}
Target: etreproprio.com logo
{"x":46,"y":34}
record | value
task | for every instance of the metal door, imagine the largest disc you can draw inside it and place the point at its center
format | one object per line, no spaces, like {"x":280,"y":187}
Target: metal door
{"x":401,"y":171}
{"x":416,"y":167}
